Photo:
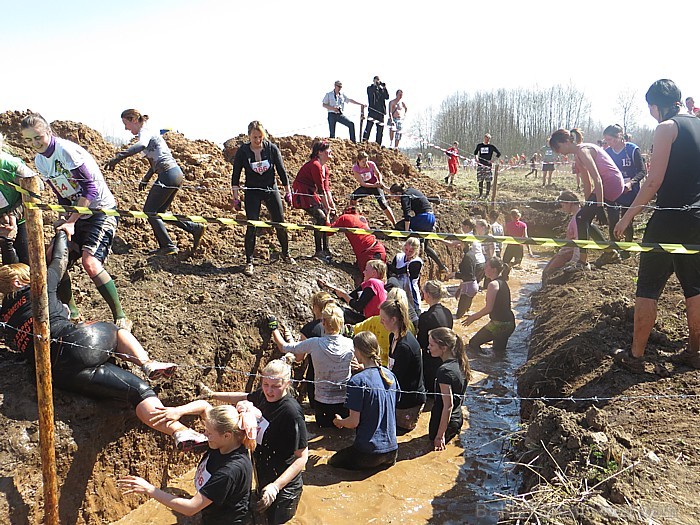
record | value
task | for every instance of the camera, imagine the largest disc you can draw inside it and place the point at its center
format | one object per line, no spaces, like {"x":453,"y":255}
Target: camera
{"x":340,"y":110}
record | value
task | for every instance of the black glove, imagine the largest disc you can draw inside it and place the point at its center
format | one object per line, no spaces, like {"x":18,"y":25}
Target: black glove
{"x":142,"y":185}
{"x":111,"y":164}
{"x":272,"y":323}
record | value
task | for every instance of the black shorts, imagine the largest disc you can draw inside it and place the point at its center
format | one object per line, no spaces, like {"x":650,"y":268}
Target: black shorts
{"x":94,"y":234}
{"x":547,"y":166}
{"x":655,"y":268}
{"x":363,"y":191}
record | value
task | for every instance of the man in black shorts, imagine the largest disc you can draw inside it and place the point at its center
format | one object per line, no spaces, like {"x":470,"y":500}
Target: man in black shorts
{"x":484,"y":169}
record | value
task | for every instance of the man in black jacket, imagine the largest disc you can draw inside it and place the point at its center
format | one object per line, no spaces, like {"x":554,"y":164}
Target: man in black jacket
{"x":377,"y":95}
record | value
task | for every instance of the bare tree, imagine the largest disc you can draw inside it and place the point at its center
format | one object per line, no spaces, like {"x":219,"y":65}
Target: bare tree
{"x":625,"y":104}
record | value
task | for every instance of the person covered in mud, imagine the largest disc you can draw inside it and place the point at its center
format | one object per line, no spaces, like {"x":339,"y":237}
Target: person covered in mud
{"x":224,"y":476}
{"x":602,"y":180}
{"x":406,"y":266}
{"x":674,"y":178}
{"x":282,"y":450}
{"x":436,"y":316}
{"x":11,"y":209}
{"x":422,"y":220}
{"x":451,"y":381}
{"x":331,"y":355}
{"x":76,"y":179}
{"x":261,"y":160}
{"x":365,"y":246}
{"x":82,"y":354}
{"x":364,"y":300}
{"x":312,"y":193}
{"x":371,"y":401}
{"x":371,"y":183}
{"x":151,"y":144}
{"x":405,"y":361}
{"x":497,"y":307}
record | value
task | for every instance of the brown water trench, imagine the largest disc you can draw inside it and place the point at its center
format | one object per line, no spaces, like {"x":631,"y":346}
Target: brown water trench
{"x":455,"y":486}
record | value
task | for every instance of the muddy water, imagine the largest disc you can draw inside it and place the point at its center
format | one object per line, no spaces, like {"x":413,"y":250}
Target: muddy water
{"x":454,"y":486}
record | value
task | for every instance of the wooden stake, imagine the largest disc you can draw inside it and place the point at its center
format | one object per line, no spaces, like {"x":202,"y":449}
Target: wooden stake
{"x":494,"y":187}
{"x":42,"y":352}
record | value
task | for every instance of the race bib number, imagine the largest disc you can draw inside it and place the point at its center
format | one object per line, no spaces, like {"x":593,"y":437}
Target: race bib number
{"x":201,"y":476}
{"x":262,"y":427}
{"x":63,"y":186}
{"x":484,"y":151}
{"x":260,"y":167}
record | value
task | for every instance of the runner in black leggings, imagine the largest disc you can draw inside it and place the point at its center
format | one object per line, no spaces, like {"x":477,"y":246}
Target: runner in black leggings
{"x":82,"y":354}
{"x":170,"y":177}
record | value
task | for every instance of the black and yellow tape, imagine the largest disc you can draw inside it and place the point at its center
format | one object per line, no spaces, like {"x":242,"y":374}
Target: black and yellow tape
{"x":383,"y":234}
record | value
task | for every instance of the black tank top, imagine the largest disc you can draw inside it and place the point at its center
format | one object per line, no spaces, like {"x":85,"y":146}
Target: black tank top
{"x":501,"y":308}
{"x":681,"y":185}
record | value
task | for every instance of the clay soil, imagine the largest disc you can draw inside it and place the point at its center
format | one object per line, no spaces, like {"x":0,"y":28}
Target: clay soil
{"x":200,"y":311}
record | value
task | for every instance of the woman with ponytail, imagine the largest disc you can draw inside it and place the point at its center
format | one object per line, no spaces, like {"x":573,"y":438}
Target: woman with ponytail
{"x":602,"y":180}
{"x":497,"y":307}
{"x":451,"y":381}
{"x":674,"y":178}
{"x":371,"y":400}
{"x":282,"y":450}
{"x":225,"y":473}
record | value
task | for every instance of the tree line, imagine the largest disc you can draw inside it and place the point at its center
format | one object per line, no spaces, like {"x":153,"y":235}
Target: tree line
{"x":521,"y":120}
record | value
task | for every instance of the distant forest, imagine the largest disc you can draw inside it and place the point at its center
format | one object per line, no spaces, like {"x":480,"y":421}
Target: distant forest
{"x":521,"y":120}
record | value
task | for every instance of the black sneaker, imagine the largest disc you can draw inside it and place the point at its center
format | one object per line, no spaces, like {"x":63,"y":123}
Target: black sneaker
{"x":687,"y":358}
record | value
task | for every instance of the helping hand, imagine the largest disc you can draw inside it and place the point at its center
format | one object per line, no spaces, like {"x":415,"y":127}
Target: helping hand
{"x":237,"y":204}
{"x":69,"y":228}
{"x":272,"y":322}
{"x":135,"y":485}
{"x":288,"y":198}
{"x":142,"y":185}
{"x":439,"y":443}
{"x":111,"y":164}
{"x":336,"y":421}
{"x":268,"y":496}
{"x":165,"y":415}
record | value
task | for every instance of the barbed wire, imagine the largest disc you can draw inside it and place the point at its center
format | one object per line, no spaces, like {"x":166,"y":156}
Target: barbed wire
{"x":344,"y":384}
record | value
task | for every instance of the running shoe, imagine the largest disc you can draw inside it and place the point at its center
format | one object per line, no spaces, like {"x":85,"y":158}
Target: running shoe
{"x":687,"y":358}
{"x":197,"y":236}
{"x":321,"y":256}
{"x":189,"y":440}
{"x":156,"y":370}
{"x":627,"y":361}
{"x":124,"y":323}
{"x":607,"y":257}
{"x":248,"y":270}
{"x":288,"y":259}
{"x":167,"y":250}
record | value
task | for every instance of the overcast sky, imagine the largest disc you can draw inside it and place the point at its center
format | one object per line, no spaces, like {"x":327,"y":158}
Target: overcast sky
{"x":207,"y":68}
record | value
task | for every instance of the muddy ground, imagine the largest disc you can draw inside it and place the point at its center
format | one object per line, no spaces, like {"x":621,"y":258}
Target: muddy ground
{"x":200,"y":311}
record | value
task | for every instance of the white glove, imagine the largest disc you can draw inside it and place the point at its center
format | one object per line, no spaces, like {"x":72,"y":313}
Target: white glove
{"x":269,"y":494}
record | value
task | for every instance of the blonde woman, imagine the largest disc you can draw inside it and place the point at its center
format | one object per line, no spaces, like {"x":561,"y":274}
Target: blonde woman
{"x":331,"y":356}
{"x":282,"y":450}
{"x":371,"y":401}
{"x":225,"y":473}
{"x":407,"y":266}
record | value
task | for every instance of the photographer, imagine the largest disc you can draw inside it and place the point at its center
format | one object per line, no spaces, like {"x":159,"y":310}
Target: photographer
{"x":377,"y":95}
{"x":334,"y":101}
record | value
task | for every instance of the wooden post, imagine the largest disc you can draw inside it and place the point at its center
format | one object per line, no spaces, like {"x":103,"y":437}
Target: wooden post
{"x":494,"y":188}
{"x":42,"y":352}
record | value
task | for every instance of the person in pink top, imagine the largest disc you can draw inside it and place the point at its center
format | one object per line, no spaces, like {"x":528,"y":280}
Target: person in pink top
{"x":515,"y":228}
{"x":602,"y":180}
{"x":370,"y":179}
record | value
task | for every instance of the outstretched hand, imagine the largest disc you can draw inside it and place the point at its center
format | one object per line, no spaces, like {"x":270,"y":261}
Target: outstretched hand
{"x":165,"y":415}
{"x":135,"y":485}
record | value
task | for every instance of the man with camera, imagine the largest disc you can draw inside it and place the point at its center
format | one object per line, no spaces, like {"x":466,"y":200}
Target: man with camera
{"x":377,"y":95}
{"x":334,"y":102}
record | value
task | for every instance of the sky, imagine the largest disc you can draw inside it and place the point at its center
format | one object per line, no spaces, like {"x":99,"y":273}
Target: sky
{"x":207,"y":68}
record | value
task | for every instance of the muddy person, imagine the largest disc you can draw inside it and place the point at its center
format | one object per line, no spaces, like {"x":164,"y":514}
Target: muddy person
{"x":371,"y":183}
{"x":11,"y":209}
{"x":602,"y":180}
{"x":366,"y":247}
{"x":261,"y":159}
{"x":515,"y":227}
{"x":81,"y":354}
{"x":470,"y":270}
{"x":405,"y":361}
{"x":548,"y":159}
{"x":224,"y":475}
{"x":282,"y":451}
{"x":76,"y":179}
{"x":436,"y":316}
{"x":407,"y":266}
{"x":334,"y":102}
{"x":484,"y":152}
{"x":151,"y":144}
{"x":331,"y":355}
{"x":498,"y":307}
{"x":452,"y":162}
{"x":674,"y":178}
{"x":451,"y":380}
{"x":422,"y":220}
{"x":371,"y":403}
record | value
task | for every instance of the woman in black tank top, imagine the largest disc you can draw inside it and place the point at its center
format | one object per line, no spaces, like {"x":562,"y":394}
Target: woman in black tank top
{"x":502,"y":322}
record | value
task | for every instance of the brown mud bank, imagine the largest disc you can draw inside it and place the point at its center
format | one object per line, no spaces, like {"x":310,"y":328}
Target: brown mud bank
{"x":626,"y":449}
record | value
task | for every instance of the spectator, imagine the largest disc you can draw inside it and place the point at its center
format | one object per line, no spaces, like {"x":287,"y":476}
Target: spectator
{"x":377,"y":95}
{"x":397,"y":112}
{"x":690,"y":105}
{"x":548,"y":159}
{"x":334,"y":102}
